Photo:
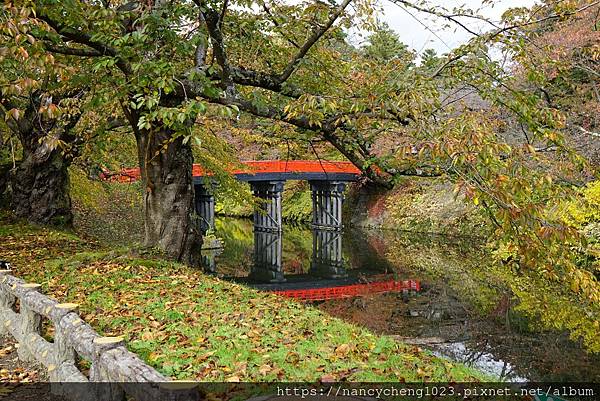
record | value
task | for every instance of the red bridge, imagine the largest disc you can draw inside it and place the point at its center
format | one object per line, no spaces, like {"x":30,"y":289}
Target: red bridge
{"x":269,"y":170}
{"x":267,"y":178}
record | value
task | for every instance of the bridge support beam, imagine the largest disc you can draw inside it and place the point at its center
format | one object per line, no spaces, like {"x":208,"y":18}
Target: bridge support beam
{"x":268,"y":253}
{"x":205,"y":206}
{"x":327,"y":197}
{"x":327,"y":259}
{"x":267,"y":216}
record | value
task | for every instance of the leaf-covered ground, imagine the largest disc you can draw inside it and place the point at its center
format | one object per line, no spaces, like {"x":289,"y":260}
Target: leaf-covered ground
{"x":192,"y":326}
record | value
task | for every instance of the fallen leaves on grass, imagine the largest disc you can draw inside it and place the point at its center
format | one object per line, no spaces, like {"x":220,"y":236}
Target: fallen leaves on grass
{"x":191,"y":326}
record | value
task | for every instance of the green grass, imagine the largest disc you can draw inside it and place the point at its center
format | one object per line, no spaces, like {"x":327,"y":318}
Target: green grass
{"x":192,"y":326}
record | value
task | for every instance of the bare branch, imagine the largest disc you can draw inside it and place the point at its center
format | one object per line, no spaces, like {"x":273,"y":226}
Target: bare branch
{"x":433,"y":11}
{"x":212,"y":19}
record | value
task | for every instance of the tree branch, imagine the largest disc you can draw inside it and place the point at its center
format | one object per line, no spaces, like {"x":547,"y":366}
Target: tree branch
{"x":316,"y":35}
{"x":71,"y":51}
{"x":212,"y":19}
{"x":278,"y":26}
{"x":85,"y":39}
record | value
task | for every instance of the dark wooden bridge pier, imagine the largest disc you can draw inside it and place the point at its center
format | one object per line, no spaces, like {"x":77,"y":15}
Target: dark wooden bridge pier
{"x":267,"y":216}
{"x":268,"y":262}
{"x":327,"y":261}
{"x":205,"y":206}
{"x":327,"y":199}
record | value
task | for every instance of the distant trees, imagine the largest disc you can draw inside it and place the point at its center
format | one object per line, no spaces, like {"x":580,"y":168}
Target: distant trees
{"x":384,"y":45}
{"x":564,"y":57}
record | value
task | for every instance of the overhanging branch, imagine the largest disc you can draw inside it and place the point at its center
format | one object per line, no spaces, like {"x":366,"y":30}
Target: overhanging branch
{"x":85,"y":39}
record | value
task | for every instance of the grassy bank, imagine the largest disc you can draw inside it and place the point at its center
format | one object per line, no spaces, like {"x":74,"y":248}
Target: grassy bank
{"x":189,"y":325}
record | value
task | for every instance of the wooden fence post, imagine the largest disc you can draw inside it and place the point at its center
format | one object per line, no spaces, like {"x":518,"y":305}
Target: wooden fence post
{"x":31,"y":323}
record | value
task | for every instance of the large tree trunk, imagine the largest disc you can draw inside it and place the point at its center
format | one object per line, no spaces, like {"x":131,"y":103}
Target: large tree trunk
{"x":169,"y":215}
{"x":40,"y":186}
{"x":4,"y":181}
{"x":40,"y":183}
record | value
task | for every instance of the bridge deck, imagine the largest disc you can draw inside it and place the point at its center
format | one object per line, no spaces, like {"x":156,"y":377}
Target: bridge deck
{"x":271,"y":170}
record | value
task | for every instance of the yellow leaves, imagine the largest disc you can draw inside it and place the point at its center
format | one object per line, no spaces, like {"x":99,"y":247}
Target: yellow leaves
{"x":265,"y":369}
{"x":148,"y":336}
{"x":22,"y":53}
{"x":204,"y":356}
{"x":49,"y":59}
{"x":5,"y":390}
{"x":342,"y":350}
{"x":529,"y":148}
{"x":575,"y":286}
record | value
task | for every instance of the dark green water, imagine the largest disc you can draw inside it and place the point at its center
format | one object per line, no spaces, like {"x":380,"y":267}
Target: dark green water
{"x":457,"y":311}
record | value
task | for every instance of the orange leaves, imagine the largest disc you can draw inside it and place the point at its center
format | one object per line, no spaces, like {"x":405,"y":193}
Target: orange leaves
{"x":15,"y":114}
{"x":265,"y":369}
{"x":22,"y":54}
{"x":51,"y":111}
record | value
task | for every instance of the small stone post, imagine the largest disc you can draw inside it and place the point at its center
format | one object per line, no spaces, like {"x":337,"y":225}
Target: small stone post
{"x":7,"y":300}
{"x":63,"y":351}
{"x":104,"y":389}
{"x":31,"y":323}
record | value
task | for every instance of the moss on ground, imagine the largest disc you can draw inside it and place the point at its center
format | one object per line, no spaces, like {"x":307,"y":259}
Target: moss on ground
{"x":192,"y":326}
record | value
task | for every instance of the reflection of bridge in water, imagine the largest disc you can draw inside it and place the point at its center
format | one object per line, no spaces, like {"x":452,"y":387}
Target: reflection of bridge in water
{"x":328,"y":277}
{"x":326,"y":263}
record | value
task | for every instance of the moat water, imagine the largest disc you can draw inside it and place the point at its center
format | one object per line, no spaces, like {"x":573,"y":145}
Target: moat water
{"x":442,"y":307}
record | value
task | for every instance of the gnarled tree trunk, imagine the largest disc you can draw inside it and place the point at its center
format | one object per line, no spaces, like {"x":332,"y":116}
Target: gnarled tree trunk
{"x":40,"y":183}
{"x":4,"y":180}
{"x":40,"y":187}
{"x":169,"y":216}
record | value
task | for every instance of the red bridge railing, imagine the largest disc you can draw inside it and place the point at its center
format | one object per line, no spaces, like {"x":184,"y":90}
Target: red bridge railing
{"x":256,"y":167}
{"x":348,"y":291}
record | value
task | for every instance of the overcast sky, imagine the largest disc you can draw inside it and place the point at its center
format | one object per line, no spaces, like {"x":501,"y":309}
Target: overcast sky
{"x":420,"y":37}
